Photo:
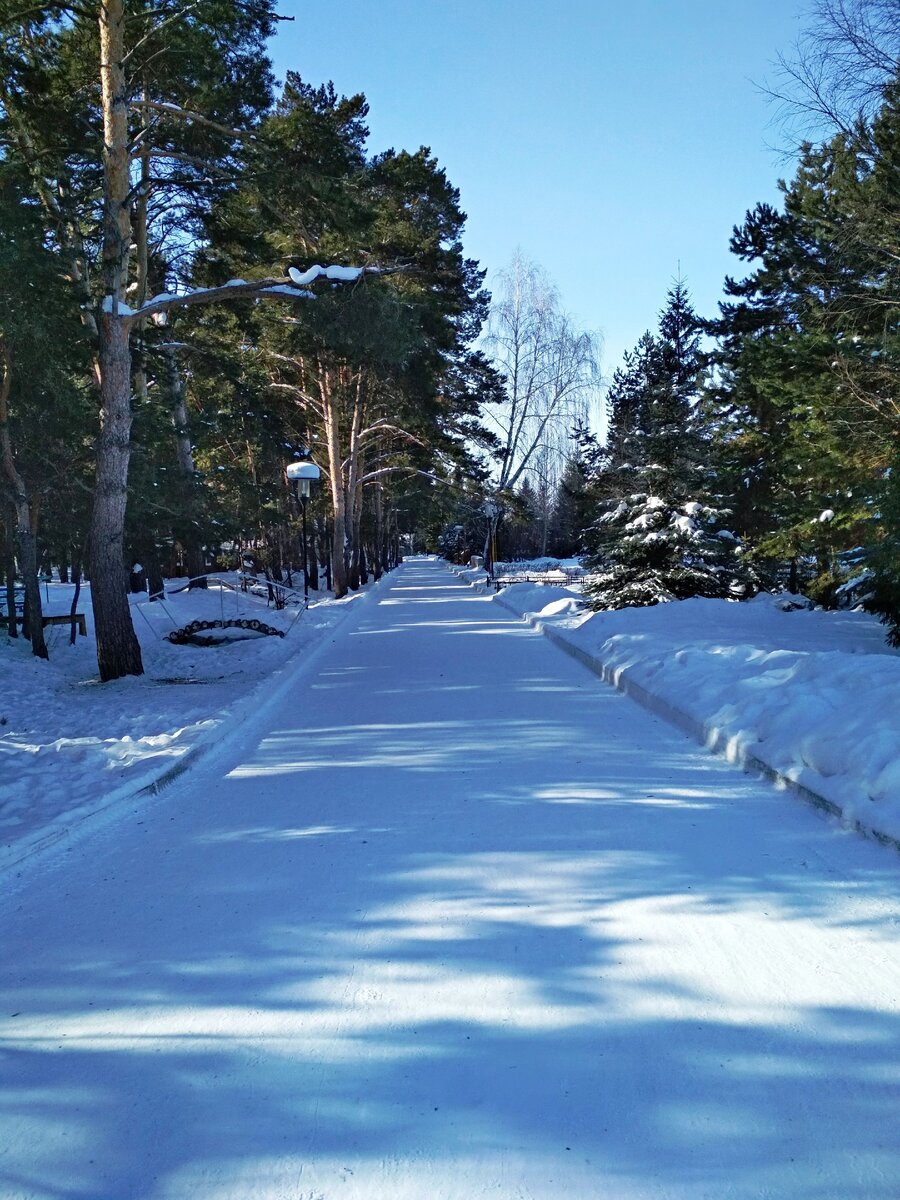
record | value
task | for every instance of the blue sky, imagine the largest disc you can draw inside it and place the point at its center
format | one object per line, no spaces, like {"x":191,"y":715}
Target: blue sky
{"x":611,"y":142}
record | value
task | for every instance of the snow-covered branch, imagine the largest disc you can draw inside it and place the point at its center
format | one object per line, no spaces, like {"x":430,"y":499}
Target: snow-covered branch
{"x":186,"y":114}
{"x":292,"y":287}
{"x":385,"y":427}
{"x":409,"y":473}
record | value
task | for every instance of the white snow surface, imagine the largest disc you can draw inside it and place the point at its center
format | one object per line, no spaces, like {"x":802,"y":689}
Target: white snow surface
{"x":449,"y":918}
{"x":68,"y":743}
{"x":111,"y":304}
{"x":814,"y":695}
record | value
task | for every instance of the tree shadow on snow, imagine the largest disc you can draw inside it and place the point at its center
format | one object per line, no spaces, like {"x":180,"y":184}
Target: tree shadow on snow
{"x":527,"y":939}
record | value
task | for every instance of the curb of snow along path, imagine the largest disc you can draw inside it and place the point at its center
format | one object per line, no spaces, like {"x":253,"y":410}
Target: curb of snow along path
{"x":709,"y":735}
{"x":705,"y":731}
{"x":216,"y":736}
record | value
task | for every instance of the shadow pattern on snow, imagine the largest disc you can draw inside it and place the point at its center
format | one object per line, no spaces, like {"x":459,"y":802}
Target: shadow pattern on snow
{"x":500,"y":933}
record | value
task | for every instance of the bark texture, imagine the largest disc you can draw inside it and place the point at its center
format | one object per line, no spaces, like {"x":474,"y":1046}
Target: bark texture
{"x":118,"y":650}
{"x":25,"y":539}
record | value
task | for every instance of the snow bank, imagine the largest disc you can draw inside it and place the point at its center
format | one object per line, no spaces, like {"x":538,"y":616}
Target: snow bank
{"x":812,"y":695}
{"x":477,"y":576}
{"x":69,"y":744}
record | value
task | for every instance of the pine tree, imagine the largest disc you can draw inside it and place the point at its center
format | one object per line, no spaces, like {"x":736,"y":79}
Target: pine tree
{"x":380,"y":376}
{"x":800,"y":402}
{"x":46,"y":421}
{"x":658,"y":536}
{"x":160,"y":130}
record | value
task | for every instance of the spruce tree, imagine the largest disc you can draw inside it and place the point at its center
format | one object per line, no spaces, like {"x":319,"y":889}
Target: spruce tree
{"x":659,"y":535}
{"x":570,"y":510}
{"x":627,"y":402}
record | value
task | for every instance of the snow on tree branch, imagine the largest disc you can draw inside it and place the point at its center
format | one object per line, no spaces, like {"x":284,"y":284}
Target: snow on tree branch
{"x":292,"y":287}
{"x":344,"y":274}
{"x":186,"y":114}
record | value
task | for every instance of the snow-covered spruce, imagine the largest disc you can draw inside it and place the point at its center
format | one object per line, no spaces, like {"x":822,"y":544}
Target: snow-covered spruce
{"x":650,"y":551}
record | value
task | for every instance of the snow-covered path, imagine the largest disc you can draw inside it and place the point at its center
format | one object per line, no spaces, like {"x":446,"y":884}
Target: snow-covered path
{"x":454,"y":920}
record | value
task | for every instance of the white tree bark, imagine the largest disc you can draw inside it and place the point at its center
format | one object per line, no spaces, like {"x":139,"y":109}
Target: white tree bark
{"x":549,"y":367}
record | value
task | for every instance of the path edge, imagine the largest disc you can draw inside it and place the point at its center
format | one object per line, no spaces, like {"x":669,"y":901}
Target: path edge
{"x":225,"y":723}
{"x":708,"y":735}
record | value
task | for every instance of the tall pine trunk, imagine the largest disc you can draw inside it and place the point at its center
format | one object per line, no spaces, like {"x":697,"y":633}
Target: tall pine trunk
{"x":378,"y":555}
{"x":195,"y":559}
{"x":354,"y":487}
{"x":324,"y":550}
{"x":118,"y":651}
{"x":336,"y":476}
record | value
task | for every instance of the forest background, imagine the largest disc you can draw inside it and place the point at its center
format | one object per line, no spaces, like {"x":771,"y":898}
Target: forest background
{"x":205,"y":278}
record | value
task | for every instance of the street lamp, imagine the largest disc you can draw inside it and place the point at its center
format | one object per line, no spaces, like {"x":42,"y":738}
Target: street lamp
{"x":302,"y":475}
{"x":492,"y":510}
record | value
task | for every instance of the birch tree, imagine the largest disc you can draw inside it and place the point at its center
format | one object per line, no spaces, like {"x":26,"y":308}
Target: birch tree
{"x":834,"y":77}
{"x":549,"y":370}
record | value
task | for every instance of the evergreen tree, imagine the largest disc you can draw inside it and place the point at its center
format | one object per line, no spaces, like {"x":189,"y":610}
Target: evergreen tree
{"x":519,"y":534}
{"x":570,"y":510}
{"x":381,"y":376}
{"x":107,"y":107}
{"x":649,"y":551}
{"x":800,"y":401}
{"x":658,"y":536}
{"x":626,"y":402}
{"x":46,"y":420}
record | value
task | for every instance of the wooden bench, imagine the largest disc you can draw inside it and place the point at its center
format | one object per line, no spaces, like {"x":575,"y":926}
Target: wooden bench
{"x":79,"y":619}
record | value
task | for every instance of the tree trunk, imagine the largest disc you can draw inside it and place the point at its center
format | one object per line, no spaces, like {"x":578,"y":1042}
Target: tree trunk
{"x":76,"y":579}
{"x":378,"y":541}
{"x":325,"y":555}
{"x":187,"y":469}
{"x":336,"y":475}
{"x":33,"y":625}
{"x":354,"y":487}
{"x":353,"y":567}
{"x":9,"y":566}
{"x":118,"y":651}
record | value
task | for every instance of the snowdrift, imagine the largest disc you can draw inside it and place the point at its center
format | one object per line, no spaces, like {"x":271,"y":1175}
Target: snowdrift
{"x":813,"y":696}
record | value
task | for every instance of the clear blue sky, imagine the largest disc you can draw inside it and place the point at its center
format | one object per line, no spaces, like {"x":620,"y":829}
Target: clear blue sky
{"x":610,"y":141}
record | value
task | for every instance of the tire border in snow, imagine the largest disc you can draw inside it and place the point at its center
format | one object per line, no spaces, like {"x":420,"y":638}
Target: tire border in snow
{"x":21,"y":854}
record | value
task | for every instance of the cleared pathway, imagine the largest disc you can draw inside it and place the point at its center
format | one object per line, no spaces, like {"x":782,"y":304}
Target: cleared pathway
{"x":455,"y":920}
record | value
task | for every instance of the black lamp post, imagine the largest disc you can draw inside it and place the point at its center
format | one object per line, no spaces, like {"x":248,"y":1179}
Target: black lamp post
{"x":302,"y":475}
